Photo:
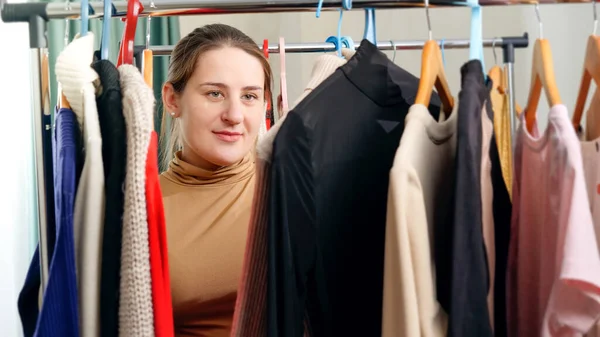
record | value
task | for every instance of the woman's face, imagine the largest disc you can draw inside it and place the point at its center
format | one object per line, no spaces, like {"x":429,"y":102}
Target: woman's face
{"x":221,"y":107}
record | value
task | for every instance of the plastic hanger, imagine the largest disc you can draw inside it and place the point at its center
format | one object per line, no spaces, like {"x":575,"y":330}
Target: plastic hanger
{"x":433,"y":74}
{"x":63,"y":102}
{"x":147,"y":64}
{"x":542,"y":77}
{"x":370,"y":26}
{"x":85,"y":17}
{"x":283,"y":108}
{"x":109,"y":9}
{"x":346,"y":4}
{"x":591,"y":71}
{"x":476,"y":38}
{"x":269,"y":113}
{"x":134,"y":8}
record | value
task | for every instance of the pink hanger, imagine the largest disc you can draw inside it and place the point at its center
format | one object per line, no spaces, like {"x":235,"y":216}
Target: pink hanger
{"x":283,"y":108}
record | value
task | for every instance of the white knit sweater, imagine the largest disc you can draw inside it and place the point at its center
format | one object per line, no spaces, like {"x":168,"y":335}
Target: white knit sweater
{"x":76,"y":77}
{"x":136,"y":315}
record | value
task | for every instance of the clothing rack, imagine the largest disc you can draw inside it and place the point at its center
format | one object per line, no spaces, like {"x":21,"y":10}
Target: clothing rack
{"x":20,"y":12}
{"x":508,"y":45}
{"x":37,"y":14}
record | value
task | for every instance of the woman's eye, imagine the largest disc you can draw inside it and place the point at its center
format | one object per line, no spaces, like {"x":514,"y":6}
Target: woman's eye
{"x":214,"y":94}
{"x":249,"y":97}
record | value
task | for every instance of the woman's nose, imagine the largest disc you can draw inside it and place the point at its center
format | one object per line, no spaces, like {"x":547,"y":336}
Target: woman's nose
{"x":233,"y":113}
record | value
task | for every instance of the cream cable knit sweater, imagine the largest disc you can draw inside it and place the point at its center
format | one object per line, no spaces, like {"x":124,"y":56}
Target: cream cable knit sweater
{"x":76,"y":77}
{"x":136,"y":315}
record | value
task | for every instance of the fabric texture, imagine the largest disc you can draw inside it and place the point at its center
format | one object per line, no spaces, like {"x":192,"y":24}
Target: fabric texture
{"x":590,"y":152}
{"x":114,"y":155}
{"x":76,"y":77}
{"x":419,"y":195}
{"x":317,"y":217}
{"x":29,"y":293}
{"x":502,"y":210}
{"x":207,"y":215}
{"x":487,"y":207}
{"x":159,"y":262}
{"x":502,"y":130}
{"x":59,"y":314}
{"x":460,"y":257}
{"x":136,"y":315}
{"x":554,"y":265}
{"x":250,"y":311}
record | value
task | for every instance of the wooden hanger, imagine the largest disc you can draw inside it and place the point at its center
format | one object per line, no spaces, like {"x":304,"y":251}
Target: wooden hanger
{"x":498,"y":77}
{"x":433,"y":75}
{"x":45,"y":82}
{"x":148,"y":66}
{"x":591,"y":70}
{"x":542,"y":77}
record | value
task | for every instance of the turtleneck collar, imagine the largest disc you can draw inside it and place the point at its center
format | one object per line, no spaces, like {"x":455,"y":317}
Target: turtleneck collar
{"x":184,"y":173}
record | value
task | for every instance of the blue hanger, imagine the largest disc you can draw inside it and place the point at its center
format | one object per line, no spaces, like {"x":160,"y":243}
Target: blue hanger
{"x":370,"y":33}
{"x":109,"y":10}
{"x":85,"y":17}
{"x":347,"y":42}
{"x":443,"y":52}
{"x":476,"y":41}
{"x":346,"y":4}
{"x":337,"y":39}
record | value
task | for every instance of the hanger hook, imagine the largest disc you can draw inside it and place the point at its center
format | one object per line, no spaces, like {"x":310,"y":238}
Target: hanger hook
{"x":428,"y":19}
{"x":539,"y":18}
{"x":67,"y":26}
{"x":394,"y":49}
{"x":494,"y":50}
{"x":595,"y":18}
{"x":148,"y":25}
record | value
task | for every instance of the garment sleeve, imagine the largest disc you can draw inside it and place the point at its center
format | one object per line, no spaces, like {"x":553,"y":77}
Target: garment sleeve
{"x":291,"y":229}
{"x":250,"y":316}
{"x":575,"y":298}
{"x":461,"y":261}
{"x":410,"y":307}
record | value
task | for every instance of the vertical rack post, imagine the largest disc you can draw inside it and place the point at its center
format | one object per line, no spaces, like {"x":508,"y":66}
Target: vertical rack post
{"x":35,"y":14}
{"x":38,"y":45}
{"x":509,"y":62}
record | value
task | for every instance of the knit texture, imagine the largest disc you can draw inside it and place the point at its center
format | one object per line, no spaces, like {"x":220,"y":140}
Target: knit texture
{"x":136,"y":317}
{"x":114,"y":155}
{"x":59,"y":314}
{"x":250,"y":315}
{"x":76,"y":77}
{"x":159,"y":261}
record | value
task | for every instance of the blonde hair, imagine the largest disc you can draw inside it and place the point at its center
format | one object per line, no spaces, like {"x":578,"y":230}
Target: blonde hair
{"x":182,"y":66}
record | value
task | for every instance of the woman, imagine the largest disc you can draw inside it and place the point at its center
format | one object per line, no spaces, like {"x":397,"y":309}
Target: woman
{"x":215,"y":100}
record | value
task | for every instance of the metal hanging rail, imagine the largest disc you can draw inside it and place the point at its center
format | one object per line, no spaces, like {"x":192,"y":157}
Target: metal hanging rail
{"x":21,"y":12}
{"x":322,"y":47}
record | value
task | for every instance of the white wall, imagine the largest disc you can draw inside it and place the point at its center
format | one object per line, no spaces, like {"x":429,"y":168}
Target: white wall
{"x":17,"y":198}
{"x":566,"y":26}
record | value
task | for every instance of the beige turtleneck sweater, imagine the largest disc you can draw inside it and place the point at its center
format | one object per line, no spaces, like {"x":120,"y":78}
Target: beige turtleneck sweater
{"x":207,"y":215}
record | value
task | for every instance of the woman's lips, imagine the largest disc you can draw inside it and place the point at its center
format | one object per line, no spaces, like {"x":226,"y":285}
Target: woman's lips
{"x":228,"y":136}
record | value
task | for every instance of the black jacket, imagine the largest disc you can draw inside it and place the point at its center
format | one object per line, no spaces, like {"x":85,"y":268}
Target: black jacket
{"x":327,"y":208}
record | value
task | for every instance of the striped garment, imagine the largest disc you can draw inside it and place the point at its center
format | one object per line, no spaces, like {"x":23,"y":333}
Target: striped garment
{"x":250,"y":317}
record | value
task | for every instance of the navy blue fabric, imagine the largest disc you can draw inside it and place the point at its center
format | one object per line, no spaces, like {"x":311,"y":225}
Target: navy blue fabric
{"x":29,"y":314}
{"x":59,"y":312}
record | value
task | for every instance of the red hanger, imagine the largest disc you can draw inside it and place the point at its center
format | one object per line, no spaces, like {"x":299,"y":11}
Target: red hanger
{"x":269,"y":103}
{"x":134,"y":8}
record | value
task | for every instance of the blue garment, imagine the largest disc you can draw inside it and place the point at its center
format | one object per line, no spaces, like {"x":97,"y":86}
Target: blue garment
{"x":29,"y":293}
{"x":59,"y":312}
